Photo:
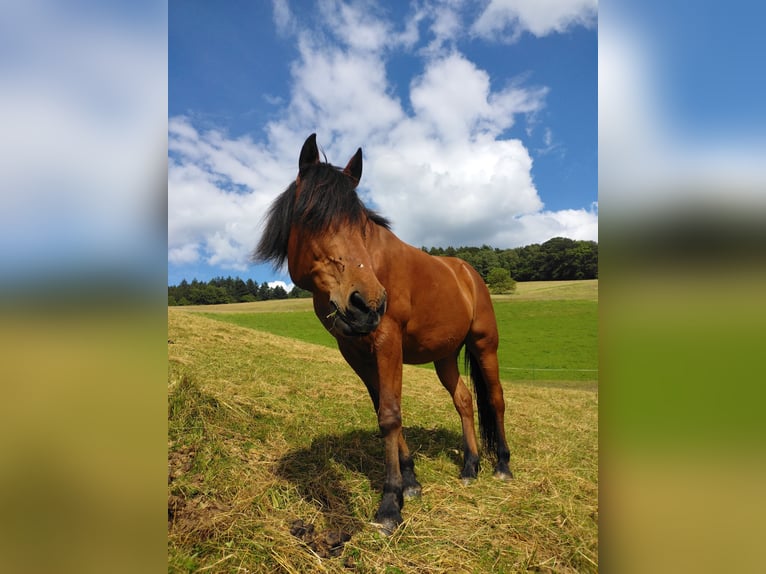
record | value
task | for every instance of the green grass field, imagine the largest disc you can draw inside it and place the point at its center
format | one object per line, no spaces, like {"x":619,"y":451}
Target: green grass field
{"x":548,"y":332}
{"x":264,"y":430}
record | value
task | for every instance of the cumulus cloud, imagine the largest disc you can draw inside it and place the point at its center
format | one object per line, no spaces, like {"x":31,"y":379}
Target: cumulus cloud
{"x":218,"y":191}
{"x":443,"y":175}
{"x":340,"y":93}
{"x":453,"y":98}
{"x":508,"y":19}
{"x":444,"y":24}
{"x":286,"y":286}
{"x":441,"y":168}
{"x":283,"y":18}
{"x":480,"y":192}
{"x":356,"y":25}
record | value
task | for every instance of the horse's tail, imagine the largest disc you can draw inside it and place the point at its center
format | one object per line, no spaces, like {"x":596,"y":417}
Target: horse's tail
{"x":487,"y":416}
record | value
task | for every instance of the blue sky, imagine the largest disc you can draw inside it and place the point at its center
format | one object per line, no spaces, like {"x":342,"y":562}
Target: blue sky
{"x":478,"y":120}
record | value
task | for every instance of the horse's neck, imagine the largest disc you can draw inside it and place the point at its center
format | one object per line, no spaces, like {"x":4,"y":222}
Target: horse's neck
{"x":386,"y":249}
{"x":382,"y":239}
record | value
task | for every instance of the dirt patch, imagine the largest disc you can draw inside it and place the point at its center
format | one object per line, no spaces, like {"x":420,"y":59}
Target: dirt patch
{"x":327,"y":544}
{"x":197,"y":515}
{"x":190,"y":511}
{"x":179,"y":461}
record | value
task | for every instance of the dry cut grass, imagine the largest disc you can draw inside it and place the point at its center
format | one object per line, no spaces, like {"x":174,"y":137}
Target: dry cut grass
{"x":265,"y":431}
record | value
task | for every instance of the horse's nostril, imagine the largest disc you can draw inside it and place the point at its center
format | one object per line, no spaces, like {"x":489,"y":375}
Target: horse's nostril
{"x":358,"y":301}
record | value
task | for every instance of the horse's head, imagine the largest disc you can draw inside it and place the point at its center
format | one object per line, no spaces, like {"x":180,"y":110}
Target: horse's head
{"x":327,"y":247}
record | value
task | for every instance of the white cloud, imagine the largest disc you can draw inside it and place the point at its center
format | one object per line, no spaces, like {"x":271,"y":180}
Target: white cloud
{"x":286,"y":286}
{"x":283,"y":18}
{"x":438,"y":192}
{"x":572,"y":223}
{"x":339,"y":92}
{"x":356,"y":25}
{"x":508,"y":19}
{"x":184,"y":254}
{"x":443,"y":174}
{"x":218,"y":191}
{"x":454,"y":99}
{"x":446,"y":24}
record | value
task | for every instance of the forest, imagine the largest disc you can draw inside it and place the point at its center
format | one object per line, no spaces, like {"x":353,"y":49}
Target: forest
{"x":557,"y":259}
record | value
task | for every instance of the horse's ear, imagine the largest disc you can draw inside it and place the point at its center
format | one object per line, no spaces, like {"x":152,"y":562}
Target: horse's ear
{"x":354,"y":167}
{"x":309,"y":153}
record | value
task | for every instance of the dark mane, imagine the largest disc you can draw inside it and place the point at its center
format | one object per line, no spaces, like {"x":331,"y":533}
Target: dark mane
{"x":327,"y":200}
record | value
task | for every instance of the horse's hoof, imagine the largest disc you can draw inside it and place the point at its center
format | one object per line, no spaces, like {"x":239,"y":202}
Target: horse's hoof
{"x":387,"y":526}
{"x":411,"y":492}
{"x":503,"y":474}
{"x":467,"y":480}
{"x":388,"y":516}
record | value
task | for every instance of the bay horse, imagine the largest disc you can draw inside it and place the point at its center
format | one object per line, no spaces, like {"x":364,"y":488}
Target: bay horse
{"x":388,"y":303}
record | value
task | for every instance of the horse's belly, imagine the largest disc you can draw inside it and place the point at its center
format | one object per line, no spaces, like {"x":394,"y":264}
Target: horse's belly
{"x":431,"y":345}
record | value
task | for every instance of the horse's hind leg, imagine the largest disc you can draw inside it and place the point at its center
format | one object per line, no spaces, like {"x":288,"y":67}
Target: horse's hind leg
{"x":485,"y":351}
{"x":449,"y":375}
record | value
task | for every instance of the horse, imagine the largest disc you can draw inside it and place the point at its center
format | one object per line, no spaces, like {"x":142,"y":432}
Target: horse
{"x":388,"y":303}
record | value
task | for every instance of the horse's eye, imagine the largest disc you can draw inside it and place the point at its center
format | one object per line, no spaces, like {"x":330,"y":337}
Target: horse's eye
{"x":338,"y":261}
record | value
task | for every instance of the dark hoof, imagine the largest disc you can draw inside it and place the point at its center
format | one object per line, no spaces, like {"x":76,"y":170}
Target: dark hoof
{"x":502,"y":472}
{"x":469,"y":474}
{"x":387,"y":526}
{"x":413,"y":491}
{"x":389,"y":514}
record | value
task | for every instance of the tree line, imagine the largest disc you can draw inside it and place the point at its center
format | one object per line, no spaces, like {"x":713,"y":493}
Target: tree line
{"x":228,"y":290}
{"x":557,"y":259}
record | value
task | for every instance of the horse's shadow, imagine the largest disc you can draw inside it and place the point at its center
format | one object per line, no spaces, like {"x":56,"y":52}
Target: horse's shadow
{"x":316,"y":474}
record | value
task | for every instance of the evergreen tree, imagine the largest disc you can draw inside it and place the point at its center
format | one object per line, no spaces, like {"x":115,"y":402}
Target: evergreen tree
{"x":278,"y":292}
{"x":298,"y":293}
{"x":264,"y":292}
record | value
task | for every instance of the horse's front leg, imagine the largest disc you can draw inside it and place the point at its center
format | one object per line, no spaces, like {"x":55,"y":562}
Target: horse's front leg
{"x":410,"y":486}
{"x":381,"y":372}
{"x":389,"y":514}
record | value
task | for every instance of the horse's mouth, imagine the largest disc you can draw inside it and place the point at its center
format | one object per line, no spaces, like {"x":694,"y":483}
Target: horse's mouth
{"x":341,"y":324}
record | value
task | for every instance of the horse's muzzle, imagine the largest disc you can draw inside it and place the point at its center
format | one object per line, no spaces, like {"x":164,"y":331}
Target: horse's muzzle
{"x":361,"y":317}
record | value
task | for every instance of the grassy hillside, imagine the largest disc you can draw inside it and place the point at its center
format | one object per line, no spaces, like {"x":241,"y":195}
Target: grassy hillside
{"x":265,"y":430}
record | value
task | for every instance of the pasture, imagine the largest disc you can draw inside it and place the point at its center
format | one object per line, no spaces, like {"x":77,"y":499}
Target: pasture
{"x":548,"y":329}
{"x":269,"y":426}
